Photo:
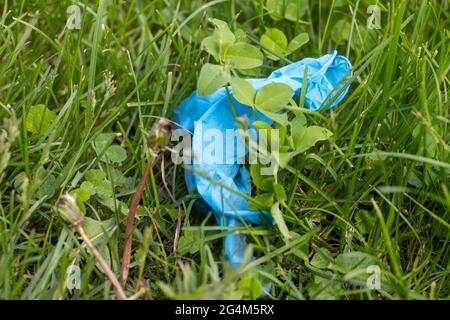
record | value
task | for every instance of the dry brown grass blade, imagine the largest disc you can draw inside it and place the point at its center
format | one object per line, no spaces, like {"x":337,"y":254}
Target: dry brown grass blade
{"x":129,"y":230}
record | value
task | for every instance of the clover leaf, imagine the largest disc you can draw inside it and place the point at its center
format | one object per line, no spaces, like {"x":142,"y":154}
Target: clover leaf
{"x":39,"y":119}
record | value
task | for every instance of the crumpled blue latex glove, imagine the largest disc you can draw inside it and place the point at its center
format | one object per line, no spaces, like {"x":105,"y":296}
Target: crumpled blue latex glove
{"x":214,"y":111}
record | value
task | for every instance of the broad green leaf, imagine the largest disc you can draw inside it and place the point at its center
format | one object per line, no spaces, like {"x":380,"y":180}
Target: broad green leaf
{"x":103,"y":141}
{"x":48,"y":186}
{"x":251,"y":286}
{"x":212,"y":77}
{"x":297,"y":125}
{"x":252,"y":73}
{"x":81,"y":196}
{"x":115,"y":153}
{"x":275,"y":40}
{"x":222,"y":32}
{"x":282,"y":128}
{"x":309,"y":137}
{"x":118,"y":177}
{"x":324,"y":288}
{"x":212,"y":46}
{"x":299,"y":41}
{"x":189,"y":242}
{"x":350,"y":261}
{"x":279,"y":192}
{"x":322,"y":258}
{"x":95,"y":176}
{"x":295,"y":9}
{"x":265,"y":199}
{"x":287,"y":9}
{"x":240,"y":35}
{"x":104,"y":188}
{"x":302,"y":250}
{"x":243,"y":91}
{"x":278,"y":217}
{"x":303,"y":139}
{"x":98,"y":184}
{"x":280,"y":118}
{"x":97,"y":229}
{"x":261,"y":182}
{"x":242,"y":55}
{"x":222,"y":38}
{"x":97,"y":232}
{"x":275,"y":9}
{"x":273,"y":97}
{"x":88,"y":187}
{"x":287,"y":147}
{"x":299,"y":121}
{"x":129,"y":185}
{"x":39,"y":119}
{"x":264,"y":127}
{"x":114,"y":204}
{"x":284,"y":158}
{"x":261,"y":125}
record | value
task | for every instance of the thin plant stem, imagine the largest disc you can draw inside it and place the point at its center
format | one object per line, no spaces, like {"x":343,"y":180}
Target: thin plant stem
{"x":120,"y":294}
{"x":129,"y":230}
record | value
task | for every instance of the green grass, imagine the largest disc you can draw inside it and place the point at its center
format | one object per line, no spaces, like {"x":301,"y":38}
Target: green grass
{"x":376,"y":193}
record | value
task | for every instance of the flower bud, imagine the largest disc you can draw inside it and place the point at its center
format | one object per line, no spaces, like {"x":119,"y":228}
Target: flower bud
{"x":159,"y":136}
{"x":69,"y":211}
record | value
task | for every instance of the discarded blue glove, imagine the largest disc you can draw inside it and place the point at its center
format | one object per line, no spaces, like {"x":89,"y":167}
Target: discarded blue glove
{"x":221,"y":185}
